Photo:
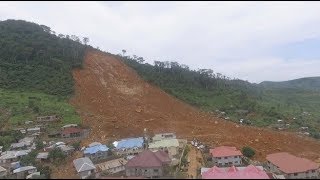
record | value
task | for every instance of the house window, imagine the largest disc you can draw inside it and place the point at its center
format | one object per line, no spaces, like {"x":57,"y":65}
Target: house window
{"x":225,"y":157}
{"x":295,"y":174}
{"x":236,"y":157}
{"x":236,"y":162}
{"x":145,"y":170}
{"x":220,"y":164}
{"x":313,"y":171}
{"x":155,"y":170}
{"x":219,"y":158}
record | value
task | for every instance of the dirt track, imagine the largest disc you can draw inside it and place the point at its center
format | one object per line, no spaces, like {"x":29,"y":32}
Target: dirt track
{"x":116,"y":103}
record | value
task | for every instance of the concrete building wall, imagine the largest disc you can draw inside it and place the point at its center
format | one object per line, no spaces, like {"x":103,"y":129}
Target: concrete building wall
{"x":129,"y":152}
{"x":230,"y":160}
{"x":116,"y":169}
{"x":85,"y":174}
{"x":172,"y":151}
{"x":145,"y":172}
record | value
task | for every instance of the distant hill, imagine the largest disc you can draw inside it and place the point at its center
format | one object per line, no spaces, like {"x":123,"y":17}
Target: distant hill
{"x":307,"y":83}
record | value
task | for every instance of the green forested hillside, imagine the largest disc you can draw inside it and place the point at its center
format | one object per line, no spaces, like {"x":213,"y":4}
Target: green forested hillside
{"x":239,"y":99}
{"x":34,"y":58}
{"x":308,"y":83}
{"x":36,"y":72}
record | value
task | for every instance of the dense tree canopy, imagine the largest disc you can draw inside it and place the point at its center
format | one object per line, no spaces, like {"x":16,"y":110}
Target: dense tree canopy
{"x":33,"y":57}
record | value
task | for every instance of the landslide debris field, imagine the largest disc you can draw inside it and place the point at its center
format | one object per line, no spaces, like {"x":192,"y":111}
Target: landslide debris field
{"x":116,"y":103}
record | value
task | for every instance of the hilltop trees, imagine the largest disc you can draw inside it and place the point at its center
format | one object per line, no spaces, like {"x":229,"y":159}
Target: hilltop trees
{"x":196,"y":87}
{"x":33,"y":57}
{"x":85,"y":40}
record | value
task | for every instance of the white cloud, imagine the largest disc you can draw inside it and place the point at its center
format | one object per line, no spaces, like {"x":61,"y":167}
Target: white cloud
{"x":234,"y":38}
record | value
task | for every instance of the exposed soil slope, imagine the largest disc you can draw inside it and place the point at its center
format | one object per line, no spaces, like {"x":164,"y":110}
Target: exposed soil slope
{"x":116,"y":103}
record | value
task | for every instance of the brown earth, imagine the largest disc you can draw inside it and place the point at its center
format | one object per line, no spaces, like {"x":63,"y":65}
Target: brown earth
{"x":116,"y":103}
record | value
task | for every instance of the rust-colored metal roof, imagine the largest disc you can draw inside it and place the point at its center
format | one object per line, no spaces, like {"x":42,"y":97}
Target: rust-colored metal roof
{"x":289,"y":163}
{"x":71,"y":130}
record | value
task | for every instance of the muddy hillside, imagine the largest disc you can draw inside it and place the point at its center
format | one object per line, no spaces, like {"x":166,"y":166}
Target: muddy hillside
{"x":116,"y":103}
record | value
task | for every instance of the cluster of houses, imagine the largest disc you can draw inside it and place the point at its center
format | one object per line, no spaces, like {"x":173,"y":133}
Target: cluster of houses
{"x":9,"y":160}
{"x":131,"y":157}
{"x":145,"y":157}
{"x":228,"y":165}
{"x":10,"y":165}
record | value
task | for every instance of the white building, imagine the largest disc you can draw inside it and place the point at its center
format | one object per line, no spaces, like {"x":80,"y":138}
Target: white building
{"x":226,"y":156}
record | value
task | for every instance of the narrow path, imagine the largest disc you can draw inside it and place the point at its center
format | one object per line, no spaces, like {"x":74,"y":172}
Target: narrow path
{"x":194,"y":156}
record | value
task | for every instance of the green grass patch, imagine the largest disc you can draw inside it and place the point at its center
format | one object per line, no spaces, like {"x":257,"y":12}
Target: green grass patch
{"x":18,"y":107}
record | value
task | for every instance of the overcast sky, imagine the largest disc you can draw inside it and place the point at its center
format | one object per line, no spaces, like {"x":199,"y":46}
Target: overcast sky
{"x":253,"y":41}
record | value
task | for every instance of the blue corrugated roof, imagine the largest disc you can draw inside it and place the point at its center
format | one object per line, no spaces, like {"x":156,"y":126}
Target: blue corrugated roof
{"x":94,"y":149}
{"x":130,"y":143}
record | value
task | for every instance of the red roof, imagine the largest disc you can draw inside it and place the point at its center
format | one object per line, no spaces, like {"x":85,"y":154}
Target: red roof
{"x":71,"y":130}
{"x":289,"y":163}
{"x":249,"y":172}
{"x":225,"y":151}
{"x":148,"y":158}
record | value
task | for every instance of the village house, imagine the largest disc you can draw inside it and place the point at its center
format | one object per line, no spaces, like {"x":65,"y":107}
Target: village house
{"x":67,"y":150}
{"x":96,"y":152}
{"x":71,"y":132}
{"x":169,"y":146}
{"x":33,"y":174}
{"x":148,"y":164}
{"x":69,"y":125}
{"x":94,"y":144}
{"x":12,"y":156}
{"x":249,"y":172}
{"x":42,"y":156}
{"x":47,"y":118}
{"x":35,"y":130}
{"x":292,"y":167}
{"x":23,"y":144}
{"x":162,"y":136}
{"x":19,"y":146}
{"x":22,"y":172}
{"x":113,"y":166}
{"x":226,"y":156}
{"x":84,"y":167}
{"x":129,"y":146}
{"x":54,"y":134}
{"x":3,"y":172}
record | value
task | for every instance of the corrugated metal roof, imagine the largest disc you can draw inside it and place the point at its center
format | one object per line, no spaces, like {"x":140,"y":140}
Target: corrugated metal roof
{"x":71,"y":130}
{"x":25,"y":168}
{"x":94,"y":144}
{"x":83,"y":164}
{"x":2,"y":169}
{"x":14,"y":154}
{"x":129,"y":143}
{"x":43,"y":155}
{"x":112,"y":164}
{"x":249,"y":172}
{"x":164,"y":143}
{"x":94,"y":149}
{"x":158,"y":137}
